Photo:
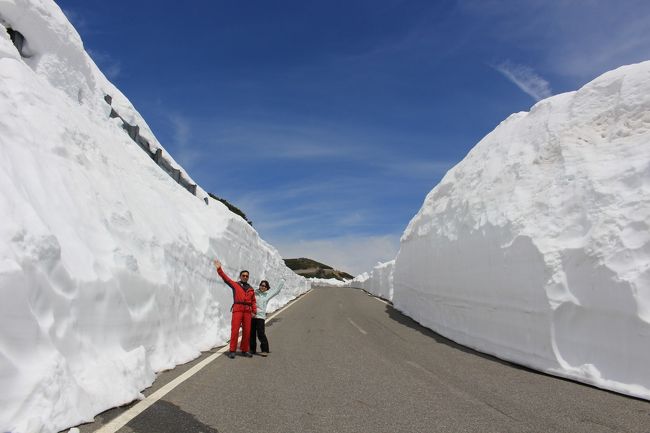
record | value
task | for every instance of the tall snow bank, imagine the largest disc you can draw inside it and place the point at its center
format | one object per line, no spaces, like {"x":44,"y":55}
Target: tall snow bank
{"x":379,"y":282}
{"x":536,"y":247}
{"x":328,"y":282}
{"x":105,"y":259}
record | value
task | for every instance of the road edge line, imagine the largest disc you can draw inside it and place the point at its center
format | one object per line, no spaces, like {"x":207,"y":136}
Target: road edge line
{"x":121,"y":420}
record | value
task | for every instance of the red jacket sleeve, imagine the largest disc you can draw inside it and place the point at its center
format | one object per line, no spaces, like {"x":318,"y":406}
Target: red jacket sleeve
{"x":254,"y":303}
{"x":226,"y":278}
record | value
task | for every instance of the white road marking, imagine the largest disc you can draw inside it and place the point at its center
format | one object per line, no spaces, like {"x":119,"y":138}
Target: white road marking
{"x":120,"y":421}
{"x":357,"y":326}
{"x":462,"y":394}
{"x":372,"y":295}
{"x":419,"y":367}
{"x":380,"y":300}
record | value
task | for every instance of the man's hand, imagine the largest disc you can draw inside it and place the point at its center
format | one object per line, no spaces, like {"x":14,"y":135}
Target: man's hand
{"x":217,"y":264}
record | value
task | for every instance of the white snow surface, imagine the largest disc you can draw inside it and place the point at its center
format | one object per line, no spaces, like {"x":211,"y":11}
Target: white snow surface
{"x":378,"y":282}
{"x":536,"y":247}
{"x":328,"y":282}
{"x":105,"y":261}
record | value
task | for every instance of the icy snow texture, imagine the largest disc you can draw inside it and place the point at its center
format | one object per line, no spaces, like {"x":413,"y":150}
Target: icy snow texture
{"x":105,"y":261}
{"x":379,"y":282}
{"x":327,"y":282}
{"x":536,"y":247}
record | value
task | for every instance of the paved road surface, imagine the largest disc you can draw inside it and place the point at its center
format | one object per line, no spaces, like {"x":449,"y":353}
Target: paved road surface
{"x":342,"y":361}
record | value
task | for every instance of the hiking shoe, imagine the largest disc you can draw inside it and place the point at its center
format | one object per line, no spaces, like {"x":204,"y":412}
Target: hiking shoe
{"x":231,"y":355}
{"x":247,"y":354}
{"x":264,"y":354}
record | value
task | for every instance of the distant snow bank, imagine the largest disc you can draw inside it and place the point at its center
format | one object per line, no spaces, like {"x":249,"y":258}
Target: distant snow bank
{"x":105,"y":259}
{"x":536,"y":247}
{"x":378,"y":282}
{"x":327,"y":282}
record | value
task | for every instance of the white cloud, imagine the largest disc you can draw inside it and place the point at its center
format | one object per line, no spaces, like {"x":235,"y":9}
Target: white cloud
{"x":416,"y":168}
{"x":186,"y":153}
{"x":590,"y":52}
{"x":526,"y":79}
{"x":576,"y":39}
{"x":113,"y":70}
{"x":264,"y":140}
{"x":181,"y":129}
{"x":301,"y":215}
{"x":352,"y":254}
{"x":108,"y":65}
{"x":76,"y":19}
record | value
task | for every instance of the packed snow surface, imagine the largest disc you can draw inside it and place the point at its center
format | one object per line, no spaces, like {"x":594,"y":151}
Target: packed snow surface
{"x":327,"y":282}
{"x":536,"y":247}
{"x":378,"y":282}
{"x":105,"y":254}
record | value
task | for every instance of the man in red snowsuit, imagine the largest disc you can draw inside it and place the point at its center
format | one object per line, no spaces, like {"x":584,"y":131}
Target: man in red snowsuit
{"x":244,"y":306}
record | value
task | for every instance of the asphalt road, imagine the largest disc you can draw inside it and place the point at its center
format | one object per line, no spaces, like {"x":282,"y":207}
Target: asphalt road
{"x":343,"y":361}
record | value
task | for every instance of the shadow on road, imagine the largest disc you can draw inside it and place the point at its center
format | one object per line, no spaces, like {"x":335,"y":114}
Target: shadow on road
{"x":165,"y":417}
{"x":407,"y":321}
{"x":399,"y":317}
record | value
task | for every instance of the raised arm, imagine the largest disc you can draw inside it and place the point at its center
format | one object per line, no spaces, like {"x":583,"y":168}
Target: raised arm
{"x":275,"y":291}
{"x":222,"y":274}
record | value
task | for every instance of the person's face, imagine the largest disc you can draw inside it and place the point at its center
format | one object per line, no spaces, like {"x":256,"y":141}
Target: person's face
{"x":263,"y":287}
{"x":244,"y":277}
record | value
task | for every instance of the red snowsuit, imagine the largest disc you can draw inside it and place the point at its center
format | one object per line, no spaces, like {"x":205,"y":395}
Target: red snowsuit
{"x":244,"y":305}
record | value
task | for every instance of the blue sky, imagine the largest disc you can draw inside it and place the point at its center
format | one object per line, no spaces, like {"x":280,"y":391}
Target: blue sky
{"x":328,"y":122}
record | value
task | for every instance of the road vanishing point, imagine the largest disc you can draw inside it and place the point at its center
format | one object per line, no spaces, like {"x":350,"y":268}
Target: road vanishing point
{"x":344,"y":361}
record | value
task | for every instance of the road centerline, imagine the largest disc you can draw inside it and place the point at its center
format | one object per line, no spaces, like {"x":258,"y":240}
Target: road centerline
{"x":358,"y":327}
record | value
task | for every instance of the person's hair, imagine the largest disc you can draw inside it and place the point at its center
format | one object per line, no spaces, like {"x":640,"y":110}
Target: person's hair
{"x":244,"y":271}
{"x":268,"y":286}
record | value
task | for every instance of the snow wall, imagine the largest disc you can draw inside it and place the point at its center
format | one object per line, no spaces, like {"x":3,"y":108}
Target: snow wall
{"x":328,"y":282}
{"x":536,"y":247}
{"x":378,"y":282}
{"x":106,"y":243}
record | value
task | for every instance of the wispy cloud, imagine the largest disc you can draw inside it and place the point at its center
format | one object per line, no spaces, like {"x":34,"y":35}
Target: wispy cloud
{"x":266,"y":140}
{"x":352,"y":254}
{"x":313,"y":211}
{"x":318,"y":190}
{"x":186,"y":153}
{"x":526,"y":79}
{"x":368,"y":149}
{"x":566,"y":37}
{"x":590,"y":52}
{"x":416,"y":168}
{"x":110,"y":66}
{"x":77,"y":20}
{"x":181,"y":129}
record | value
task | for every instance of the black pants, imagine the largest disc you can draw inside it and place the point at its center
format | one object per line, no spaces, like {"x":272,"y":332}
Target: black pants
{"x":258,"y":331}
